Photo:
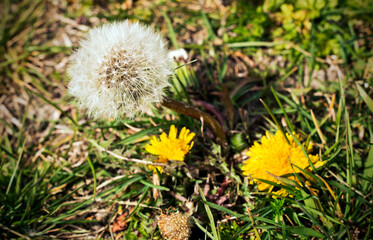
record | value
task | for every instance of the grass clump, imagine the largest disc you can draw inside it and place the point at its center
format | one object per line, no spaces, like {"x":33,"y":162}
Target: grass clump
{"x":302,"y":69}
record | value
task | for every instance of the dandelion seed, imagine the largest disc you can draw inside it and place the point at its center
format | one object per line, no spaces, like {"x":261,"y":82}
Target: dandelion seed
{"x":272,"y":156}
{"x":120,"y":69}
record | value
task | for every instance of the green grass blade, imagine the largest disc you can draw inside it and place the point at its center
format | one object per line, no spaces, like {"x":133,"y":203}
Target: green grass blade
{"x":171,"y":30}
{"x":154,"y":186}
{"x":228,"y":211}
{"x":4,"y":19}
{"x":274,"y":119}
{"x":349,"y":159}
{"x":94,"y":176}
{"x":2,"y":148}
{"x":202,"y":228}
{"x":16,"y":167}
{"x":312,"y":51}
{"x":283,"y":110}
{"x":365,"y":97}
{"x":295,"y":105}
{"x":368,"y":171}
{"x":253,"y":44}
{"x":312,"y":218}
{"x":146,"y":188}
{"x":54,"y":105}
{"x":211,"y":34}
{"x":143,"y":133}
{"x":210,"y":216}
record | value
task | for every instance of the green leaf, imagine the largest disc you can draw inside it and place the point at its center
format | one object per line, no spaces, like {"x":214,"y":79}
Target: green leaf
{"x":304,"y":232}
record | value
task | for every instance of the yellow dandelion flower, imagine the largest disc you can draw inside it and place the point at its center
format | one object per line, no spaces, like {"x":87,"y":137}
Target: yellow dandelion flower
{"x":171,"y":147}
{"x":272,"y":156}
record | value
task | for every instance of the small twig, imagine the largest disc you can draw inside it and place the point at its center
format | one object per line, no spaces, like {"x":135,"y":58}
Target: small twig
{"x":127,"y":203}
{"x":206,"y":188}
{"x":126,"y":158}
{"x":134,"y":159}
{"x":100,"y":200}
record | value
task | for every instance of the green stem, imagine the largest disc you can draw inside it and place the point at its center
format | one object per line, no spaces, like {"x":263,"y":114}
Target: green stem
{"x":197,"y":114}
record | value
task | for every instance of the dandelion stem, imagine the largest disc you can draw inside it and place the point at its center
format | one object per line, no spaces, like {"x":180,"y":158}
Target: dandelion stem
{"x":197,"y":114}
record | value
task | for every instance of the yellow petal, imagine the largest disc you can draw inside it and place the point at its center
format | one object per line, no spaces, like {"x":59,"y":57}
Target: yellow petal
{"x":183,"y":133}
{"x":189,"y":137}
{"x":173,"y":132}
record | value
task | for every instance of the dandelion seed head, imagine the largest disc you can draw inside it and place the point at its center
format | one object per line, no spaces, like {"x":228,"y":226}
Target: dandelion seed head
{"x":121,"y":69}
{"x":175,"y":226}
